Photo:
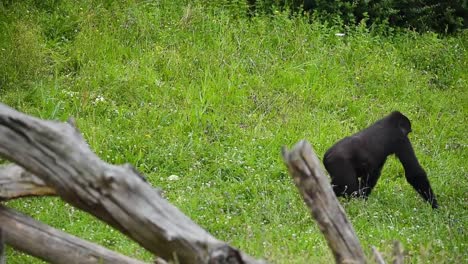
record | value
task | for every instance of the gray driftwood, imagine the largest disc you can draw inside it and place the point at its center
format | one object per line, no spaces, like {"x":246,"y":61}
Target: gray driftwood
{"x":57,"y":153}
{"x":37,"y":239}
{"x":15,"y":182}
{"x":314,"y":185}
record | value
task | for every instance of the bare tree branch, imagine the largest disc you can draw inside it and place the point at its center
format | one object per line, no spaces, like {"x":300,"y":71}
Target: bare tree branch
{"x":310,"y":179}
{"x":15,"y":182}
{"x":37,"y":239}
{"x":119,"y":195}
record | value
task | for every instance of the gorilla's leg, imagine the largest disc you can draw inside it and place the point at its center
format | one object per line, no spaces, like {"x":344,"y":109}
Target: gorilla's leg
{"x":344,"y":178}
{"x":369,"y":181}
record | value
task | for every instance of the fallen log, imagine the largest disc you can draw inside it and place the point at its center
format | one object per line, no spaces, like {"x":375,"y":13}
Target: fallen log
{"x":37,"y":239}
{"x":118,"y":195}
{"x":15,"y":182}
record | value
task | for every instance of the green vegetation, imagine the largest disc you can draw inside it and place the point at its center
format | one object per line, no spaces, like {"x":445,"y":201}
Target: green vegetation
{"x":210,"y":95}
{"x":420,"y":15}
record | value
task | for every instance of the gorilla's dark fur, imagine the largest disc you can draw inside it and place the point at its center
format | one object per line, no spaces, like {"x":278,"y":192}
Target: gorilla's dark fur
{"x":355,"y":162}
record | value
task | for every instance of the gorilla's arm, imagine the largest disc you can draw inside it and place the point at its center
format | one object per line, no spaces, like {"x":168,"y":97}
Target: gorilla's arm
{"x":414,"y":173}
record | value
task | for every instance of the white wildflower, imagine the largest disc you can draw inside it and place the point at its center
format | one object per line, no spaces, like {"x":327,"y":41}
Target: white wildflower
{"x":173,"y":177}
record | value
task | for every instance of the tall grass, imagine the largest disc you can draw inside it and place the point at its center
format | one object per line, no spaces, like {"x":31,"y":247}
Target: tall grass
{"x":210,"y":94}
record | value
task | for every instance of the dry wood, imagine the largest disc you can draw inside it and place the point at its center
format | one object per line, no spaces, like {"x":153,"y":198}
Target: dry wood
{"x":378,"y":257}
{"x":57,"y":153}
{"x":15,"y":182}
{"x":28,"y":235}
{"x":398,"y":257}
{"x":310,"y":179}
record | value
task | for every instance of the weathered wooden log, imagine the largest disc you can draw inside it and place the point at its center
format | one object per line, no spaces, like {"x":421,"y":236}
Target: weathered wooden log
{"x":310,"y":179}
{"x":57,"y":153}
{"x":16,"y":182}
{"x":37,"y":239}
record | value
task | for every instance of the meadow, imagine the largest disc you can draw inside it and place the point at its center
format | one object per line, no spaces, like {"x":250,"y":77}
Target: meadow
{"x":209,"y":94}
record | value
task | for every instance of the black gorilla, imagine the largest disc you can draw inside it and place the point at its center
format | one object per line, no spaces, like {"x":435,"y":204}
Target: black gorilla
{"x":362,"y":156}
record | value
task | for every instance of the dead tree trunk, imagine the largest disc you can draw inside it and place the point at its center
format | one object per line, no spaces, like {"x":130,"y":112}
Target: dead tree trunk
{"x":310,"y":179}
{"x":15,"y":182}
{"x":30,"y":236}
{"x":118,"y":195}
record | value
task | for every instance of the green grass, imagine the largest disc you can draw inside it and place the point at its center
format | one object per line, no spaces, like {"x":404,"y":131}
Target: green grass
{"x":209,"y":95}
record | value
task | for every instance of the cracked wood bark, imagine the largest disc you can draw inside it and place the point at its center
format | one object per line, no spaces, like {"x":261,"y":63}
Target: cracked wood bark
{"x":37,"y":239}
{"x":15,"y":182}
{"x":310,"y":179}
{"x":57,"y":153}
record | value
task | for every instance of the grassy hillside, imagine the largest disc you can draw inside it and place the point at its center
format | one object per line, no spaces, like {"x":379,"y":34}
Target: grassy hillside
{"x":209,"y":95}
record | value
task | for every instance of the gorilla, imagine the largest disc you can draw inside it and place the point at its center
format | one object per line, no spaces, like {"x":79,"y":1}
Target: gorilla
{"x":355,"y":162}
